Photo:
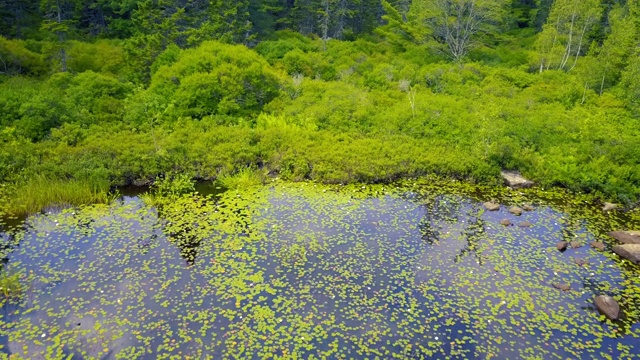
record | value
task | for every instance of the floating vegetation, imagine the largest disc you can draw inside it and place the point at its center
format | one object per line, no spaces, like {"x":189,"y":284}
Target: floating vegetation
{"x":413,"y":270}
{"x":11,"y":288}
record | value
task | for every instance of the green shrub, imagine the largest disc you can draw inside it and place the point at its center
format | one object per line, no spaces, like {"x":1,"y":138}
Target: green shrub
{"x":215,"y":79}
{"x":15,"y":58}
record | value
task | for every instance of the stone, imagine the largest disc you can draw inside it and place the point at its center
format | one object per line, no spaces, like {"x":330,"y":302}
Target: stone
{"x":607,"y":306}
{"x":562,"y":245}
{"x":515,"y":180}
{"x":579,"y":261}
{"x":515,"y":210}
{"x":527,"y":207}
{"x":597,"y":245}
{"x":525,"y":224}
{"x":505,"y":222}
{"x":626,"y":237}
{"x":491,"y":206}
{"x":609,"y":206}
{"x":575,"y":245}
{"x":630,"y":252}
{"x":562,"y":286}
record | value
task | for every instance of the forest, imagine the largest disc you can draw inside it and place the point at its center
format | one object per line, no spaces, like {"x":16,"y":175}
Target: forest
{"x":96,"y":94}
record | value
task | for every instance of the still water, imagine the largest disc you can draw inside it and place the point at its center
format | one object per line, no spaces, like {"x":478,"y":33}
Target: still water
{"x":310,"y":271}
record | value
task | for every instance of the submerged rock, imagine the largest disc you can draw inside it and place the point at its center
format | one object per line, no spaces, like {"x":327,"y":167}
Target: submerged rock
{"x":528,"y":207}
{"x":525,"y":224}
{"x":575,"y":244}
{"x":630,"y":252}
{"x":515,"y":180}
{"x":579,"y":261}
{"x":609,"y":206}
{"x":597,"y":245}
{"x":515,"y":210}
{"x":505,"y":222}
{"x":607,"y":306}
{"x":626,"y":237}
{"x":562,"y":245}
{"x":491,"y":206}
{"x":562,"y":286}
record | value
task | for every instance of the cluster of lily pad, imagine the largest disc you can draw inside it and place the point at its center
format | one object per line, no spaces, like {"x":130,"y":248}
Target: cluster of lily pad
{"x":417,"y":269}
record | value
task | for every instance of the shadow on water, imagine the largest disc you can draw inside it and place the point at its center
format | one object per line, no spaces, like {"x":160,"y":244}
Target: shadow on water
{"x":291,"y":269}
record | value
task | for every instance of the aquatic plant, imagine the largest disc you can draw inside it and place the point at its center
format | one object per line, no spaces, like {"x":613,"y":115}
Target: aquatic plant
{"x":409,"y":269}
{"x":11,"y":287}
{"x":41,"y":192}
{"x":245,"y":178}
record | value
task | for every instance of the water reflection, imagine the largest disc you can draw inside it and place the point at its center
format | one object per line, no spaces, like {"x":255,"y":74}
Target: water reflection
{"x":302,"y":271}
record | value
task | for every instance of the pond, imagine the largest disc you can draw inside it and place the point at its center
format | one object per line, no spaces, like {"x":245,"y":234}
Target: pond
{"x":414,"y":270}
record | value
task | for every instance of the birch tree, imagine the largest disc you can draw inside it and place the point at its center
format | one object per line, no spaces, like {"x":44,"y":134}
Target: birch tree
{"x":457,"y":23}
{"x":564,"y":36}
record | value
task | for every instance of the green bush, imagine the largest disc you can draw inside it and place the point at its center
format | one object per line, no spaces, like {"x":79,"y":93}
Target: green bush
{"x":15,"y":58}
{"x":215,"y":79}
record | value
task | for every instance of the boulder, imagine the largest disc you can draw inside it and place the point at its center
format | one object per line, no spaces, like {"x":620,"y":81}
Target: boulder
{"x":505,"y":222}
{"x":579,"y":261}
{"x":515,"y":210}
{"x":607,"y":306}
{"x":491,"y":206}
{"x":562,"y":245}
{"x":597,"y":245}
{"x":515,"y":180}
{"x":527,"y":207}
{"x":562,"y":286}
{"x":575,"y":244}
{"x":630,"y":252}
{"x":609,"y":206}
{"x":525,"y":224}
{"x":626,"y":237}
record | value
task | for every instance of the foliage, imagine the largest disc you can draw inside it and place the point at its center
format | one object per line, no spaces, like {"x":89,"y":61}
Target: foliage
{"x":11,"y":287}
{"x":15,"y":58}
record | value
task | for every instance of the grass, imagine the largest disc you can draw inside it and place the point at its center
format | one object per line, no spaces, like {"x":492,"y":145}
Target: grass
{"x":41,"y":192}
{"x":245,"y":178}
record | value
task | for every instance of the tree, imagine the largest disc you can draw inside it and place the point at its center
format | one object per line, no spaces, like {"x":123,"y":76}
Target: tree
{"x":457,"y":23}
{"x":563,"y":36}
{"x":613,"y":55}
{"x":227,"y":21}
{"x":58,"y":22}
{"x":398,"y":30}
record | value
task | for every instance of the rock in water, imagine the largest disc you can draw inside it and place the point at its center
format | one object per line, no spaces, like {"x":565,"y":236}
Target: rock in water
{"x":561,"y":286}
{"x":630,"y":252}
{"x":515,"y":180}
{"x":626,"y":237}
{"x":527,"y":207}
{"x":607,"y":306}
{"x":597,"y":245}
{"x":505,"y":222}
{"x":491,"y":206}
{"x":515,"y":210}
{"x":562,"y":245}
{"x":525,"y":224}
{"x":579,"y":261}
{"x":609,"y":206}
{"x":575,"y":244}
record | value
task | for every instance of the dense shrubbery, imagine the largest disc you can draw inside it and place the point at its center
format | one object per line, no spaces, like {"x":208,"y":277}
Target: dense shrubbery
{"x":299,"y":107}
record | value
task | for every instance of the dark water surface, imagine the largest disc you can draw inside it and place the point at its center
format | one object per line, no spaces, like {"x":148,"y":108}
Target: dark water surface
{"x":319,"y":272}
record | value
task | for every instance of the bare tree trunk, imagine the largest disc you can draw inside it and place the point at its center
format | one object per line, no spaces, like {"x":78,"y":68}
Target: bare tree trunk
{"x":325,"y":25}
{"x":63,"y":52}
{"x":567,"y":54}
{"x":584,"y":30}
{"x":553,"y":43}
